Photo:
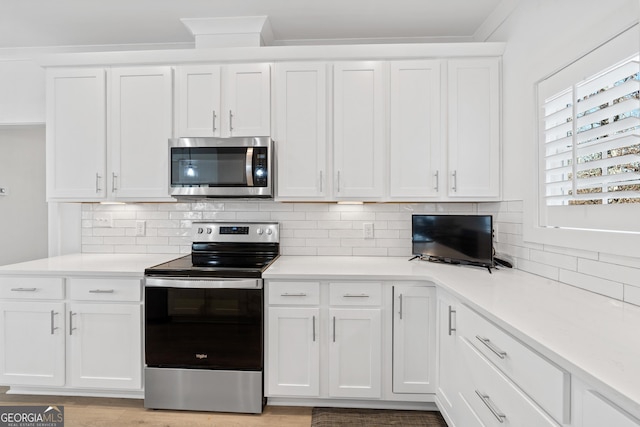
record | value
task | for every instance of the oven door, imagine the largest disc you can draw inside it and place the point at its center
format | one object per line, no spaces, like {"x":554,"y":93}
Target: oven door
{"x":204,"y":324}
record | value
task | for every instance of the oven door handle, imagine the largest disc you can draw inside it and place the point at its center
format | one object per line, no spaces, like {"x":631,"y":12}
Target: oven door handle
{"x":203,"y":283}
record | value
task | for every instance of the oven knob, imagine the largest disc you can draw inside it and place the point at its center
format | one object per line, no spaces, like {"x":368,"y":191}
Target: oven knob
{"x":200,"y":230}
{"x":269,"y":231}
{"x":260,"y":231}
{"x":209,"y":231}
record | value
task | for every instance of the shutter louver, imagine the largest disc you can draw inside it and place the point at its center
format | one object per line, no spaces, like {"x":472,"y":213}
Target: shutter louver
{"x":592,"y":139}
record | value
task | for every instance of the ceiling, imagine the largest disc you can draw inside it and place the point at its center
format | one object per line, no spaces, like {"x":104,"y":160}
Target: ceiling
{"x":56,"y":23}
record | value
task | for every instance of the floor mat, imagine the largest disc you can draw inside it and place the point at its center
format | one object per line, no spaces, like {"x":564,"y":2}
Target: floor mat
{"x":327,"y":417}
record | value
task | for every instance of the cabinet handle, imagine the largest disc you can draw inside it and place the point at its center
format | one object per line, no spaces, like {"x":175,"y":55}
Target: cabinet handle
{"x":451,"y":313}
{"x":501,"y":354}
{"x":400,"y":306}
{"x":334,"y":328}
{"x":53,"y":327}
{"x":455,"y":181}
{"x":24,"y":289}
{"x":230,"y":121}
{"x":437,"y":176}
{"x":314,"y":328}
{"x":114,"y":176}
{"x":287,"y":294}
{"x":214,"y":120}
{"x":355,"y":296}
{"x":101,"y":291}
{"x":496,"y":413}
{"x":98,"y":178}
{"x":71,"y":328}
{"x":338,"y":186}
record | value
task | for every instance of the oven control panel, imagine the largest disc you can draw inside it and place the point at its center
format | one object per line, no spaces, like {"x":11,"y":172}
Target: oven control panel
{"x":251,"y":232}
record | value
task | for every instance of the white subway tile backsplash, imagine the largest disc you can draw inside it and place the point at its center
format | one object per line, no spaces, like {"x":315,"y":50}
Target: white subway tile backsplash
{"x":337,"y":229}
{"x":593,"y":284}
{"x":618,"y":273}
{"x":632,"y":294}
{"x":566,"y":262}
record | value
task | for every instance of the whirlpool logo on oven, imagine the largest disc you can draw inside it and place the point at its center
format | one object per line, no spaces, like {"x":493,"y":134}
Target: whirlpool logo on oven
{"x":201,"y":356}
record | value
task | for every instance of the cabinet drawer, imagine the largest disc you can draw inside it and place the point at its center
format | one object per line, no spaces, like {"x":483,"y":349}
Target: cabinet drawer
{"x":294,"y":293}
{"x":546,"y":383}
{"x":94,"y":289}
{"x":495,"y":399}
{"x":32,"y":287}
{"x":360,"y":293}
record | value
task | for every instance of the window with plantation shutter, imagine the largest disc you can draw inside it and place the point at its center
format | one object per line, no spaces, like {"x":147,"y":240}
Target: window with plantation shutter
{"x":590,"y":140}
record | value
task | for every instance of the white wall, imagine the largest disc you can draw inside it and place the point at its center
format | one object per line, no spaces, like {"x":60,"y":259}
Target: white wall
{"x":22,"y":92}
{"x":543,"y":36}
{"x":23,"y":210}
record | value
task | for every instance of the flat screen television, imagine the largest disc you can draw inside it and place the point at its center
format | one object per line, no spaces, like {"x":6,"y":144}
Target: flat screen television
{"x":456,"y":239}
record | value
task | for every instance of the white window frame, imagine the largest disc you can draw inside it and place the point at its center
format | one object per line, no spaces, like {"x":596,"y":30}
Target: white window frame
{"x":590,"y":225}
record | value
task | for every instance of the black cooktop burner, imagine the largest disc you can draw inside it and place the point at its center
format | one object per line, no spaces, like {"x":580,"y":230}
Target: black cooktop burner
{"x":183,"y":267}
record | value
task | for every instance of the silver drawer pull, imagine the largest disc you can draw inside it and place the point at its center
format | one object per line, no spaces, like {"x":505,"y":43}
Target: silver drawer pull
{"x":496,"y":413}
{"x":355,"y":296}
{"x":501,"y":354}
{"x":451,"y":313}
{"x":287,"y":294}
{"x":101,"y":291}
{"x":24,"y":289}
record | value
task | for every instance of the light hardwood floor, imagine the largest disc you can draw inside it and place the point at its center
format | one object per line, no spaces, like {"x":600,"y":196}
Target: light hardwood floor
{"x":106,"y":412}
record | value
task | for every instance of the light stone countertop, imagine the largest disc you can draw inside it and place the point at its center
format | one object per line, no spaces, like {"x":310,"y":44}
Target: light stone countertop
{"x":99,"y":265}
{"x":592,"y":336}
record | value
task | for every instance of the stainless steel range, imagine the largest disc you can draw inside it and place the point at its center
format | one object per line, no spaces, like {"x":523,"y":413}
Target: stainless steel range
{"x":204,"y":320}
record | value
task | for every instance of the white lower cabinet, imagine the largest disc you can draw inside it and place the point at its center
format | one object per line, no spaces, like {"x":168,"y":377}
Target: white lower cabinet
{"x":32,"y":343}
{"x":337,"y":340}
{"x":104,"y":346}
{"x":598,"y":412}
{"x":88,"y":337}
{"x":294,"y":351}
{"x":414,"y":308}
{"x":355,"y":352}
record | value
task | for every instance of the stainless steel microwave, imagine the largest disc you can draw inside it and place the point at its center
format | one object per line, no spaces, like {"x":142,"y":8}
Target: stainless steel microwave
{"x":221,"y":167}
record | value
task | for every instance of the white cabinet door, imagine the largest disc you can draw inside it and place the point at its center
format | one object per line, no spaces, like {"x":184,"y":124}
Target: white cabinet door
{"x":198,"y":101}
{"x":247,"y":100}
{"x":415,"y":120}
{"x":301,"y":130}
{"x":32,"y":337}
{"x":414,"y":339}
{"x":448,"y":368}
{"x":596,"y":412}
{"x":141,"y":124}
{"x":359,"y":126}
{"x":293,"y":354}
{"x":76,"y":134}
{"x":105,"y":345}
{"x":474,"y":128}
{"x":355,"y":352}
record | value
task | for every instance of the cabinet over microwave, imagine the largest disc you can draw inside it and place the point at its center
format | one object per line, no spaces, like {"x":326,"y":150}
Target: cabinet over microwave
{"x":221,"y":167}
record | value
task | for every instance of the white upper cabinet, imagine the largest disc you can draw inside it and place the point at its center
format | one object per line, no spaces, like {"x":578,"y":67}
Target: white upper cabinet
{"x":300,"y":92}
{"x":247,"y":99}
{"x":198,"y":101}
{"x":359,"y":130}
{"x":223,"y":101}
{"x":129,"y":162}
{"x":416,"y":165}
{"x":474,"y":128}
{"x":76,"y":134}
{"x":141,"y":111}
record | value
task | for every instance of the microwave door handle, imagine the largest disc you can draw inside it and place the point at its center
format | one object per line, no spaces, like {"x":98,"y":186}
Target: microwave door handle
{"x":249,"y":166}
